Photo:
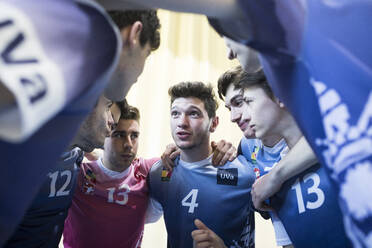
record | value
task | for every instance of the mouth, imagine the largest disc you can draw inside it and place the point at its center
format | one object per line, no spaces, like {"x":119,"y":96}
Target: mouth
{"x":127,"y":156}
{"x":243,"y":125}
{"x":183,"y":135}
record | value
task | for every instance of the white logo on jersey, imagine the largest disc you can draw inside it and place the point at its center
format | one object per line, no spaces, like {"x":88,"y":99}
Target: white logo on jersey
{"x":357,"y":195}
{"x":345,"y":143}
{"x":27,"y":71}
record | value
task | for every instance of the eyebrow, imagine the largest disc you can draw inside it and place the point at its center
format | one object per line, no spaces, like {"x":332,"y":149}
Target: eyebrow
{"x":192,"y":107}
{"x":124,"y":132}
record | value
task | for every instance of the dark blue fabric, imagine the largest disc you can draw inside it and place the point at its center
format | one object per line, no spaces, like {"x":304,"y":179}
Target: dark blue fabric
{"x":83,"y":44}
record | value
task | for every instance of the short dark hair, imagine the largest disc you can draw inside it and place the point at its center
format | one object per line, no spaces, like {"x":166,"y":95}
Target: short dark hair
{"x":242,"y":80}
{"x":149,"y":19}
{"x":128,"y":112}
{"x":196,"y":89}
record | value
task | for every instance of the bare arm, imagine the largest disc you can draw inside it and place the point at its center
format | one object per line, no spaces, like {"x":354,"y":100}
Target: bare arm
{"x":298,"y":159}
{"x":212,"y":8}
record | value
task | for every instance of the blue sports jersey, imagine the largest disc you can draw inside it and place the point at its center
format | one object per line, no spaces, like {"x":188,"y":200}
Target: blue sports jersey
{"x":43,"y":223}
{"x":317,"y":57}
{"x":220,"y":197}
{"x":304,"y":202}
{"x":63,"y":31}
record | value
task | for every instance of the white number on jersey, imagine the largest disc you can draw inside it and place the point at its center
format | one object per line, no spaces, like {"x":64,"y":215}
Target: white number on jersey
{"x":123,"y":194}
{"x":62,"y":191}
{"x":312,"y":190}
{"x":192,"y":204}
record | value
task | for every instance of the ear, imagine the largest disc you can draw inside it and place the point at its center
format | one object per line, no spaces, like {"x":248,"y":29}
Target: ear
{"x":135,"y":33}
{"x":214,"y":124}
{"x":280,"y":103}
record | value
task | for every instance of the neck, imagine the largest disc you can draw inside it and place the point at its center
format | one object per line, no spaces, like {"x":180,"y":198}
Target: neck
{"x":113,"y":166}
{"x":197,"y":153}
{"x":288,"y":129}
{"x":292,"y":134}
{"x":285,"y":128}
{"x":271,"y":140}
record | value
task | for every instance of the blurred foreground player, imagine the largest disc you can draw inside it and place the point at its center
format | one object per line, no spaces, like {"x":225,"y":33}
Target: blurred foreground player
{"x":79,"y":82}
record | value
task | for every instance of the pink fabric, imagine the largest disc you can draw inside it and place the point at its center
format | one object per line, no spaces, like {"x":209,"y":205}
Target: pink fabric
{"x":104,"y":213}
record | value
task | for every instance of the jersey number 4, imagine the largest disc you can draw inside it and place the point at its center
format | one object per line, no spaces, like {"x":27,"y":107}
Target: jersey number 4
{"x":314,"y":189}
{"x":192,"y":204}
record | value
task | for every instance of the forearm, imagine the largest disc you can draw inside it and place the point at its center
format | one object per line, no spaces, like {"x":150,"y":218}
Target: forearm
{"x":212,"y":8}
{"x":298,"y":159}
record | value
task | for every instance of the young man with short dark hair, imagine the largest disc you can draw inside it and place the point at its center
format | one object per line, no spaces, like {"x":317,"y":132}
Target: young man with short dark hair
{"x":195,"y":189}
{"x":110,"y":203}
{"x":307,"y":195}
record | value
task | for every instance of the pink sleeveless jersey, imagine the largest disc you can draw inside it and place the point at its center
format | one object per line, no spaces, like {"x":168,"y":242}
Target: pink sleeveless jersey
{"x":108,"y":211}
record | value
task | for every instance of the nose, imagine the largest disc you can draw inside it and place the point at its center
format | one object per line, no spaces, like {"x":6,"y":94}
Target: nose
{"x":183,"y":121}
{"x":128,"y":143}
{"x":230,"y":54}
{"x":110,"y":121}
{"x":235,"y":115}
{"x":246,"y":116}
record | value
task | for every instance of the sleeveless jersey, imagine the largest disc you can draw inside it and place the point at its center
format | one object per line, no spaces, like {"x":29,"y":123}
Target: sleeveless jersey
{"x":108,"y":211}
{"x":317,"y":57}
{"x":219,"y":197}
{"x":304,"y":201}
{"x":59,"y":32}
{"x":43,"y":223}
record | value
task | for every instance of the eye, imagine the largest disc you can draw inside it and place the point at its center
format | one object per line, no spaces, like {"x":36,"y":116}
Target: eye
{"x":109,"y":104}
{"x":117,"y":135}
{"x":175,"y":113}
{"x":237,"y":102}
{"x":134,"y":136}
{"x":247,"y":100}
{"x":194,"y":114}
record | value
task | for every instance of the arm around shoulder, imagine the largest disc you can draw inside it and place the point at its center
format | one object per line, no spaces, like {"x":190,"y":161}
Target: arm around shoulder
{"x":298,"y":159}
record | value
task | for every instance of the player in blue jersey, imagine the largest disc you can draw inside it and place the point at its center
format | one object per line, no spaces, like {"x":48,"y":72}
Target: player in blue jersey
{"x":195,"y":187}
{"x":307,"y":203}
{"x":317,"y":60}
{"x":90,"y":64}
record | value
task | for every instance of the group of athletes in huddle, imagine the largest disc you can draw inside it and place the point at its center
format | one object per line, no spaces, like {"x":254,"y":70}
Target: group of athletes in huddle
{"x":66,"y":66}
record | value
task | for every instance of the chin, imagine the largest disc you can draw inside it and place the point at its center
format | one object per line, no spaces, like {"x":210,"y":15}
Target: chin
{"x":249,"y":135}
{"x":184,"y":146}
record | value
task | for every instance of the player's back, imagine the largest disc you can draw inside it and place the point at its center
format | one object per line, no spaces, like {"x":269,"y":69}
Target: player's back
{"x":42,"y":225}
{"x":53,"y":85}
{"x":220,"y":197}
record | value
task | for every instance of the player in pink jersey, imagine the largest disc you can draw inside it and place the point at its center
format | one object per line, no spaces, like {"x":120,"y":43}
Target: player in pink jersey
{"x":110,"y":203}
